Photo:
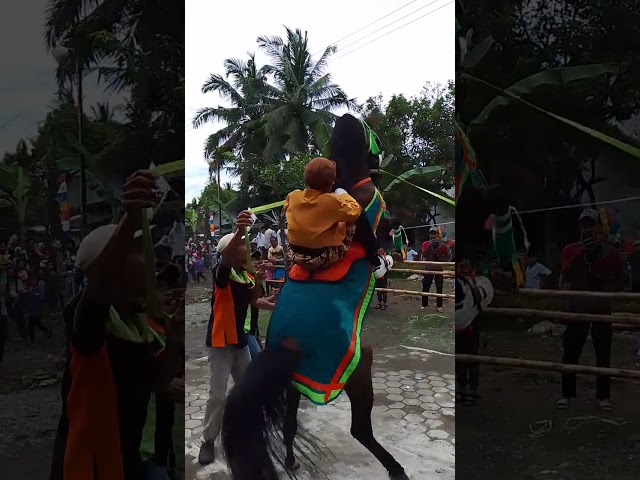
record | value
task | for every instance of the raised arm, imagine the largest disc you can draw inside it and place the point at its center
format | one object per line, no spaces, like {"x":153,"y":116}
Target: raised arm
{"x":103,"y":271}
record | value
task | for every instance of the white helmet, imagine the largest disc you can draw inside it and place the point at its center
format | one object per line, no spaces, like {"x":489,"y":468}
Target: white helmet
{"x":382,"y":270}
{"x":466,"y":307}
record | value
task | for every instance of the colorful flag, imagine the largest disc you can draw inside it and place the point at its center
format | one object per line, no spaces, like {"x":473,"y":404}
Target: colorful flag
{"x":63,"y":205}
{"x":212,"y":227}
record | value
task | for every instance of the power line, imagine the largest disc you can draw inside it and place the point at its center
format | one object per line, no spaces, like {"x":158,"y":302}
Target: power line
{"x":368,"y":25}
{"x":394,"y":30}
{"x":389,"y":24}
{"x":579,"y":205}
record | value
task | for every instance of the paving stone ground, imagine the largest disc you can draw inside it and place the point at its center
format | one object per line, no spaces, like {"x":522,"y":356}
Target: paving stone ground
{"x":413,"y":417}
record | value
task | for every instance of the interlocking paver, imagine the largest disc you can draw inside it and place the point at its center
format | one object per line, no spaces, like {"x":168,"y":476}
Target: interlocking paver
{"x":414,"y":411}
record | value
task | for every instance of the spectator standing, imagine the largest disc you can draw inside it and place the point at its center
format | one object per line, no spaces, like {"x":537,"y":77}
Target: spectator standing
{"x":434,"y":250}
{"x":592,"y":265}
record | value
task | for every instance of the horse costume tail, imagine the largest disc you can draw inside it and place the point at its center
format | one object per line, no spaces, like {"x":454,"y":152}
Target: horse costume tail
{"x":254,"y":417}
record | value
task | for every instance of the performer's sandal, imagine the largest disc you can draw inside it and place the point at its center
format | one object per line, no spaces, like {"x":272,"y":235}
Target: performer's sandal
{"x":562,"y":404}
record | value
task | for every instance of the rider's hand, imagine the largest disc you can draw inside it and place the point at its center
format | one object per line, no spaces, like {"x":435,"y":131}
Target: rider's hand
{"x":139,"y":191}
{"x":244,"y":219}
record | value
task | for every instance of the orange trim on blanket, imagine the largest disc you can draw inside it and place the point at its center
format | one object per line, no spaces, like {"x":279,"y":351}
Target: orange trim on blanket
{"x":320,"y":387}
{"x":335,"y":384}
{"x":346,"y":360}
{"x":334,"y":272}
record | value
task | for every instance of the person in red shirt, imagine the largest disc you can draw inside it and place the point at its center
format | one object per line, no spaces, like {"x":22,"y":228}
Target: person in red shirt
{"x":593,"y":265}
{"x":434,"y":250}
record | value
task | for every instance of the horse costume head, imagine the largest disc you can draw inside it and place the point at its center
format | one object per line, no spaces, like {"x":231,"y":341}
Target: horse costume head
{"x":356,"y":150}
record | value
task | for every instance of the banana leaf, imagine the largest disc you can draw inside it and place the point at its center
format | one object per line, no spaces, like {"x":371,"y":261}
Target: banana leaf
{"x":411,"y":173}
{"x":625,"y":147}
{"x":473,"y":56}
{"x":556,"y":76}
{"x":386,"y":160}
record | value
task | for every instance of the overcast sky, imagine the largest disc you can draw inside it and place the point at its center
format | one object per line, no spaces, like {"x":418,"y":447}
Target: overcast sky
{"x":401,"y":62}
{"x":27,"y":81}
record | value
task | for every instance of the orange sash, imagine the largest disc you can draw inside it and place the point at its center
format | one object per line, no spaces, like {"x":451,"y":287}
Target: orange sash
{"x":93,"y":440}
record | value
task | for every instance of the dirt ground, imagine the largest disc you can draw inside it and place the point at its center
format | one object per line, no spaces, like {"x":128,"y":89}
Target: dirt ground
{"x":30,"y":403}
{"x":515,"y":430}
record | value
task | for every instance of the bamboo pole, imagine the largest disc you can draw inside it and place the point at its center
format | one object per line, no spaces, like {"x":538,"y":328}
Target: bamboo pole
{"x":563,"y":316}
{"x":534,"y":292}
{"x":445,"y":273}
{"x":397,"y":291}
{"x":547,"y":366}
{"x":627,"y":327}
{"x":273,"y":267}
{"x":428,"y":262}
{"x":410,"y":292}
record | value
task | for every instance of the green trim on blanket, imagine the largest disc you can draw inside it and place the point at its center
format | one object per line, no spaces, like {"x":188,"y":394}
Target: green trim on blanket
{"x":317,"y":397}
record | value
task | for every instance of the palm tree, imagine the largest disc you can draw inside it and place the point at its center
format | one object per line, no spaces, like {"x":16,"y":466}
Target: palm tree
{"x":134,"y":45}
{"x":242,"y":86}
{"x":102,"y":112}
{"x":301,"y":96}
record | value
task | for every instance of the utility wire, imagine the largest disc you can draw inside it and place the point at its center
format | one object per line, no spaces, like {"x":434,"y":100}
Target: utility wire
{"x":389,"y":33}
{"x":389,"y":24}
{"x":368,"y":25}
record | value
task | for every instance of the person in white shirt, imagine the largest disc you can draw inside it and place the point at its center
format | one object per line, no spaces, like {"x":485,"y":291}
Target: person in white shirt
{"x":261,"y":242}
{"x":535,"y":272}
{"x":411,"y":253}
{"x":279,"y":235}
{"x":269,"y":233}
{"x":175,"y":238}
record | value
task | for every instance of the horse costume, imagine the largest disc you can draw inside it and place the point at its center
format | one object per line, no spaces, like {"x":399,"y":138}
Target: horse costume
{"x":313,"y":344}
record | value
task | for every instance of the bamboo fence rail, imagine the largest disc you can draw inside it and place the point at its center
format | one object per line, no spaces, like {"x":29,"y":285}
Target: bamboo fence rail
{"x":547,"y":366}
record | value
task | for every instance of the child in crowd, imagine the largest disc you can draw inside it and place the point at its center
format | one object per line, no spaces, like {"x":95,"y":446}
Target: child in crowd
{"x":321,"y":223}
{"x":31,"y":301}
{"x":535,"y":273}
{"x":251,"y":321}
{"x":198,"y":268}
{"x":275,"y":255}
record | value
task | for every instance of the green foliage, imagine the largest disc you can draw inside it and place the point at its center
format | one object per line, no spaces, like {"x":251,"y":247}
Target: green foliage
{"x":191,"y":219}
{"x":136,"y":46}
{"x":282,"y":108}
{"x":15,"y":185}
{"x":417,"y":136}
{"x":557,"y":63}
{"x":558,"y":77}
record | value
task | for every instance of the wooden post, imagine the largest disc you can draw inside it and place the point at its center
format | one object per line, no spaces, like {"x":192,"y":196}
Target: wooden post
{"x":547,"y":366}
